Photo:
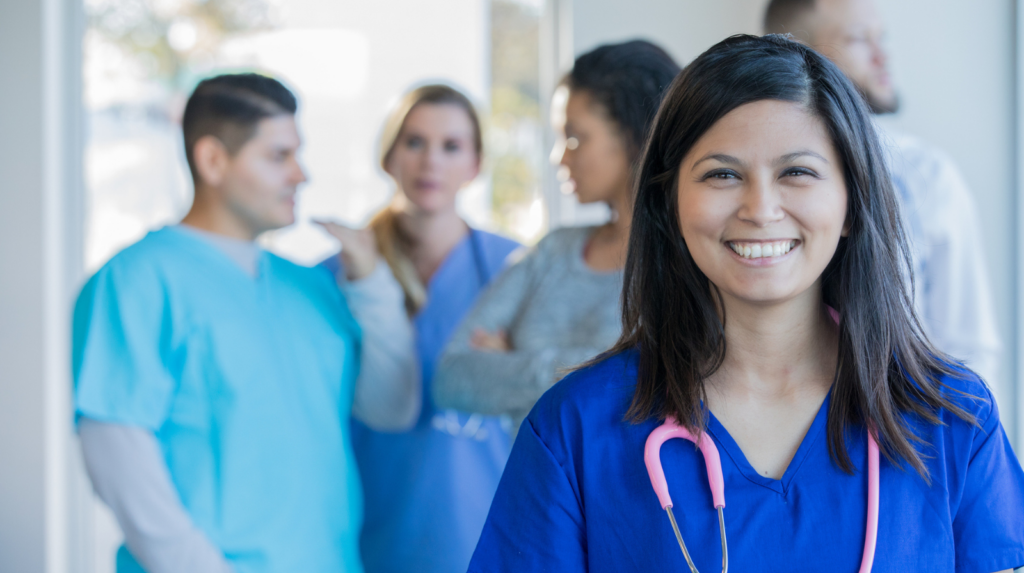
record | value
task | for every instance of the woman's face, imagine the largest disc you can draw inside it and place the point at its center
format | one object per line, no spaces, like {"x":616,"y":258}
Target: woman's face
{"x":762,"y":202}
{"x":434,"y":156}
{"x":590,"y":149}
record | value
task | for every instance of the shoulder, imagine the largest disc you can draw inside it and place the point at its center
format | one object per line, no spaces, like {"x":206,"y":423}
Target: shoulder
{"x":597,"y":395}
{"x":915,"y":161}
{"x":565,"y":236}
{"x":561,"y":244}
{"x":331,"y":264}
{"x":968,"y":391}
{"x":315,"y":279}
{"x":143,"y":262}
{"x":496,"y":248}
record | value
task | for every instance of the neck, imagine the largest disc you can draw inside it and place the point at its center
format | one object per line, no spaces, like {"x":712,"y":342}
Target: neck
{"x":430,"y":232}
{"x":215,"y":217}
{"x":622,"y":214}
{"x":779,"y":350}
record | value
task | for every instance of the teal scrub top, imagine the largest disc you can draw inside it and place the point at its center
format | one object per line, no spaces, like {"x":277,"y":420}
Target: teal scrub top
{"x":247,"y":384}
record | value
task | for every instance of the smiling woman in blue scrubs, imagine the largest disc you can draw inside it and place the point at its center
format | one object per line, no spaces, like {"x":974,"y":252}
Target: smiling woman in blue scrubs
{"x":427,"y":490}
{"x":762,"y":203}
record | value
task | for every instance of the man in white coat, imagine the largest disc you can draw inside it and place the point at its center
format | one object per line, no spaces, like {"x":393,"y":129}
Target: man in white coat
{"x":952,"y":292}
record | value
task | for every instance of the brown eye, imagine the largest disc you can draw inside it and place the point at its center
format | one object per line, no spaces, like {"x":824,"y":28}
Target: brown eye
{"x":414,"y":142}
{"x":720,"y":174}
{"x":798,"y":171}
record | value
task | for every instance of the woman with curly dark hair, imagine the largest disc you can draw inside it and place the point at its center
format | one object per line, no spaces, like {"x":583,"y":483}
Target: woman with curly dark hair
{"x":556,"y":307}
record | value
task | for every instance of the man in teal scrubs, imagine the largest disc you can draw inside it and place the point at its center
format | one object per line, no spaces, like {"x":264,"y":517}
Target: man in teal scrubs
{"x":214,"y":381}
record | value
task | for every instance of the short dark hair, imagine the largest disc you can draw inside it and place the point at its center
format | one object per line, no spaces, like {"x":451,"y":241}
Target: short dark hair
{"x":229,"y":107}
{"x":887,"y":367}
{"x":628,"y":81}
{"x":781,"y":16}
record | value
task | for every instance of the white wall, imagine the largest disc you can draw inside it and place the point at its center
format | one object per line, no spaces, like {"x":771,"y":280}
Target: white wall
{"x":683,"y":27}
{"x":39,"y":158}
{"x":953,"y":62}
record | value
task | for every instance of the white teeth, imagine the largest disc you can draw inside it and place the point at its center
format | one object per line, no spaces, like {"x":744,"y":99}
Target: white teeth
{"x":762,"y":250}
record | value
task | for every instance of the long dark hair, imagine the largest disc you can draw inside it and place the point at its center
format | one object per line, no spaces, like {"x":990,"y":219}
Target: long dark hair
{"x":627,"y":80}
{"x":886,"y":365}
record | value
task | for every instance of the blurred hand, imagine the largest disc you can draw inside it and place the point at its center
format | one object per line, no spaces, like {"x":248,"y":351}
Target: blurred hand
{"x":491,"y":342}
{"x":359,"y":252}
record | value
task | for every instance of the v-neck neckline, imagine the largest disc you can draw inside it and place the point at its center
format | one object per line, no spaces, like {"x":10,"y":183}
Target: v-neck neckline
{"x":739,"y":459}
{"x":447,"y":262}
{"x":212,"y":250}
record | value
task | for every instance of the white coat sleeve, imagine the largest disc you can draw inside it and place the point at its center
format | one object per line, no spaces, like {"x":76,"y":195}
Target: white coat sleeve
{"x":129,"y":474}
{"x":389,"y":392}
{"x":958,"y":309}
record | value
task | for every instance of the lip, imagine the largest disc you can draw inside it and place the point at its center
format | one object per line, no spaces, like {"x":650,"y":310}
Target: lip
{"x":763,"y":261}
{"x":427,"y":185}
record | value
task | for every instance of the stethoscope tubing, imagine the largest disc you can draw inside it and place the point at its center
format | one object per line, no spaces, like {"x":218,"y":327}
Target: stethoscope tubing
{"x":671,"y":429}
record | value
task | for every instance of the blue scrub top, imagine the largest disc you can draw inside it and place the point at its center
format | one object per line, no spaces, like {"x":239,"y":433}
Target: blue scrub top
{"x":427,"y":490}
{"x":576,"y":495}
{"x":247,"y":384}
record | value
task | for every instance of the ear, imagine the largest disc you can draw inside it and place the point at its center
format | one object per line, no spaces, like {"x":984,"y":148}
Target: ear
{"x":211,"y":159}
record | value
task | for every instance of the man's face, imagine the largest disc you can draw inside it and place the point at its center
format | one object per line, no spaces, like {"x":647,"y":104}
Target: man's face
{"x":850,"y":33}
{"x":261,"y":179}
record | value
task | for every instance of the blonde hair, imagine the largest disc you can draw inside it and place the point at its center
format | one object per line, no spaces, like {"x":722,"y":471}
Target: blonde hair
{"x":394,"y":247}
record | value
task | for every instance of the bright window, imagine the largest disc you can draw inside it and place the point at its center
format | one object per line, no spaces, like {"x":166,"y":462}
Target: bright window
{"x":347,"y":62}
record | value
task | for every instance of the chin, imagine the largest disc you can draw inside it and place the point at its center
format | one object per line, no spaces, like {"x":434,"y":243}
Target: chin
{"x":881,"y":104}
{"x":586,"y":198}
{"x":431,"y":205}
{"x":283,"y":221}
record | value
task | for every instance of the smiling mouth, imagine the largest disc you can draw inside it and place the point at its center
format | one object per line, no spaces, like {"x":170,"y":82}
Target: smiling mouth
{"x":761,"y":250}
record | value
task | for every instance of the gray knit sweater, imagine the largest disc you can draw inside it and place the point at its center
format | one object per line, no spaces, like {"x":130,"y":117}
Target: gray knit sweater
{"x":557,"y":313}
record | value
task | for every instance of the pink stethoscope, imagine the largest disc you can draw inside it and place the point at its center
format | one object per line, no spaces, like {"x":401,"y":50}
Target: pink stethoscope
{"x":670,"y":429}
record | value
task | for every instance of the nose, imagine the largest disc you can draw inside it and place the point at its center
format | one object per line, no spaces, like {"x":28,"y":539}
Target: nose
{"x":557,"y":156}
{"x":878,"y":53}
{"x":761,"y":204}
{"x":299,"y":174}
{"x":431,"y":156}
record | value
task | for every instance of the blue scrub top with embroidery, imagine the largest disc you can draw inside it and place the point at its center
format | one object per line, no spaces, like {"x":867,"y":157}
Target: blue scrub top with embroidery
{"x":247,"y":384}
{"x":576,"y":495}
{"x":427,"y":490}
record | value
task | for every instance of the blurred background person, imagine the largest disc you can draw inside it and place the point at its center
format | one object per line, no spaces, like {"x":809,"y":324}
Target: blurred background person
{"x":559,"y":305}
{"x":214,"y":381}
{"x":427,"y":490}
{"x":951,"y":284}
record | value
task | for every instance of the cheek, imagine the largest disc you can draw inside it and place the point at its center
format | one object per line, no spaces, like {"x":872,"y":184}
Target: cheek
{"x":399,"y":165}
{"x":823,"y":214}
{"x":461,"y":169}
{"x":702,"y":216}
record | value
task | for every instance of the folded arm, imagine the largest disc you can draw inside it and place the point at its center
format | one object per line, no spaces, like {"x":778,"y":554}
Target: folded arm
{"x":472,"y":379}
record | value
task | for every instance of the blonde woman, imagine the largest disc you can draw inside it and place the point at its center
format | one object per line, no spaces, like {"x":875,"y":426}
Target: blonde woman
{"x":427,"y":490}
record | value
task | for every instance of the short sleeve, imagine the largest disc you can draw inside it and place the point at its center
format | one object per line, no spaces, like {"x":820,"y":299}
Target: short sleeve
{"x":988,"y":527}
{"x":536,"y":522}
{"x":121,"y":339}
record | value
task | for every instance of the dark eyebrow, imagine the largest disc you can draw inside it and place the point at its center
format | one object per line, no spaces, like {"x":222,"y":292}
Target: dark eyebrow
{"x":718,"y":157}
{"x":796,"y":154}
